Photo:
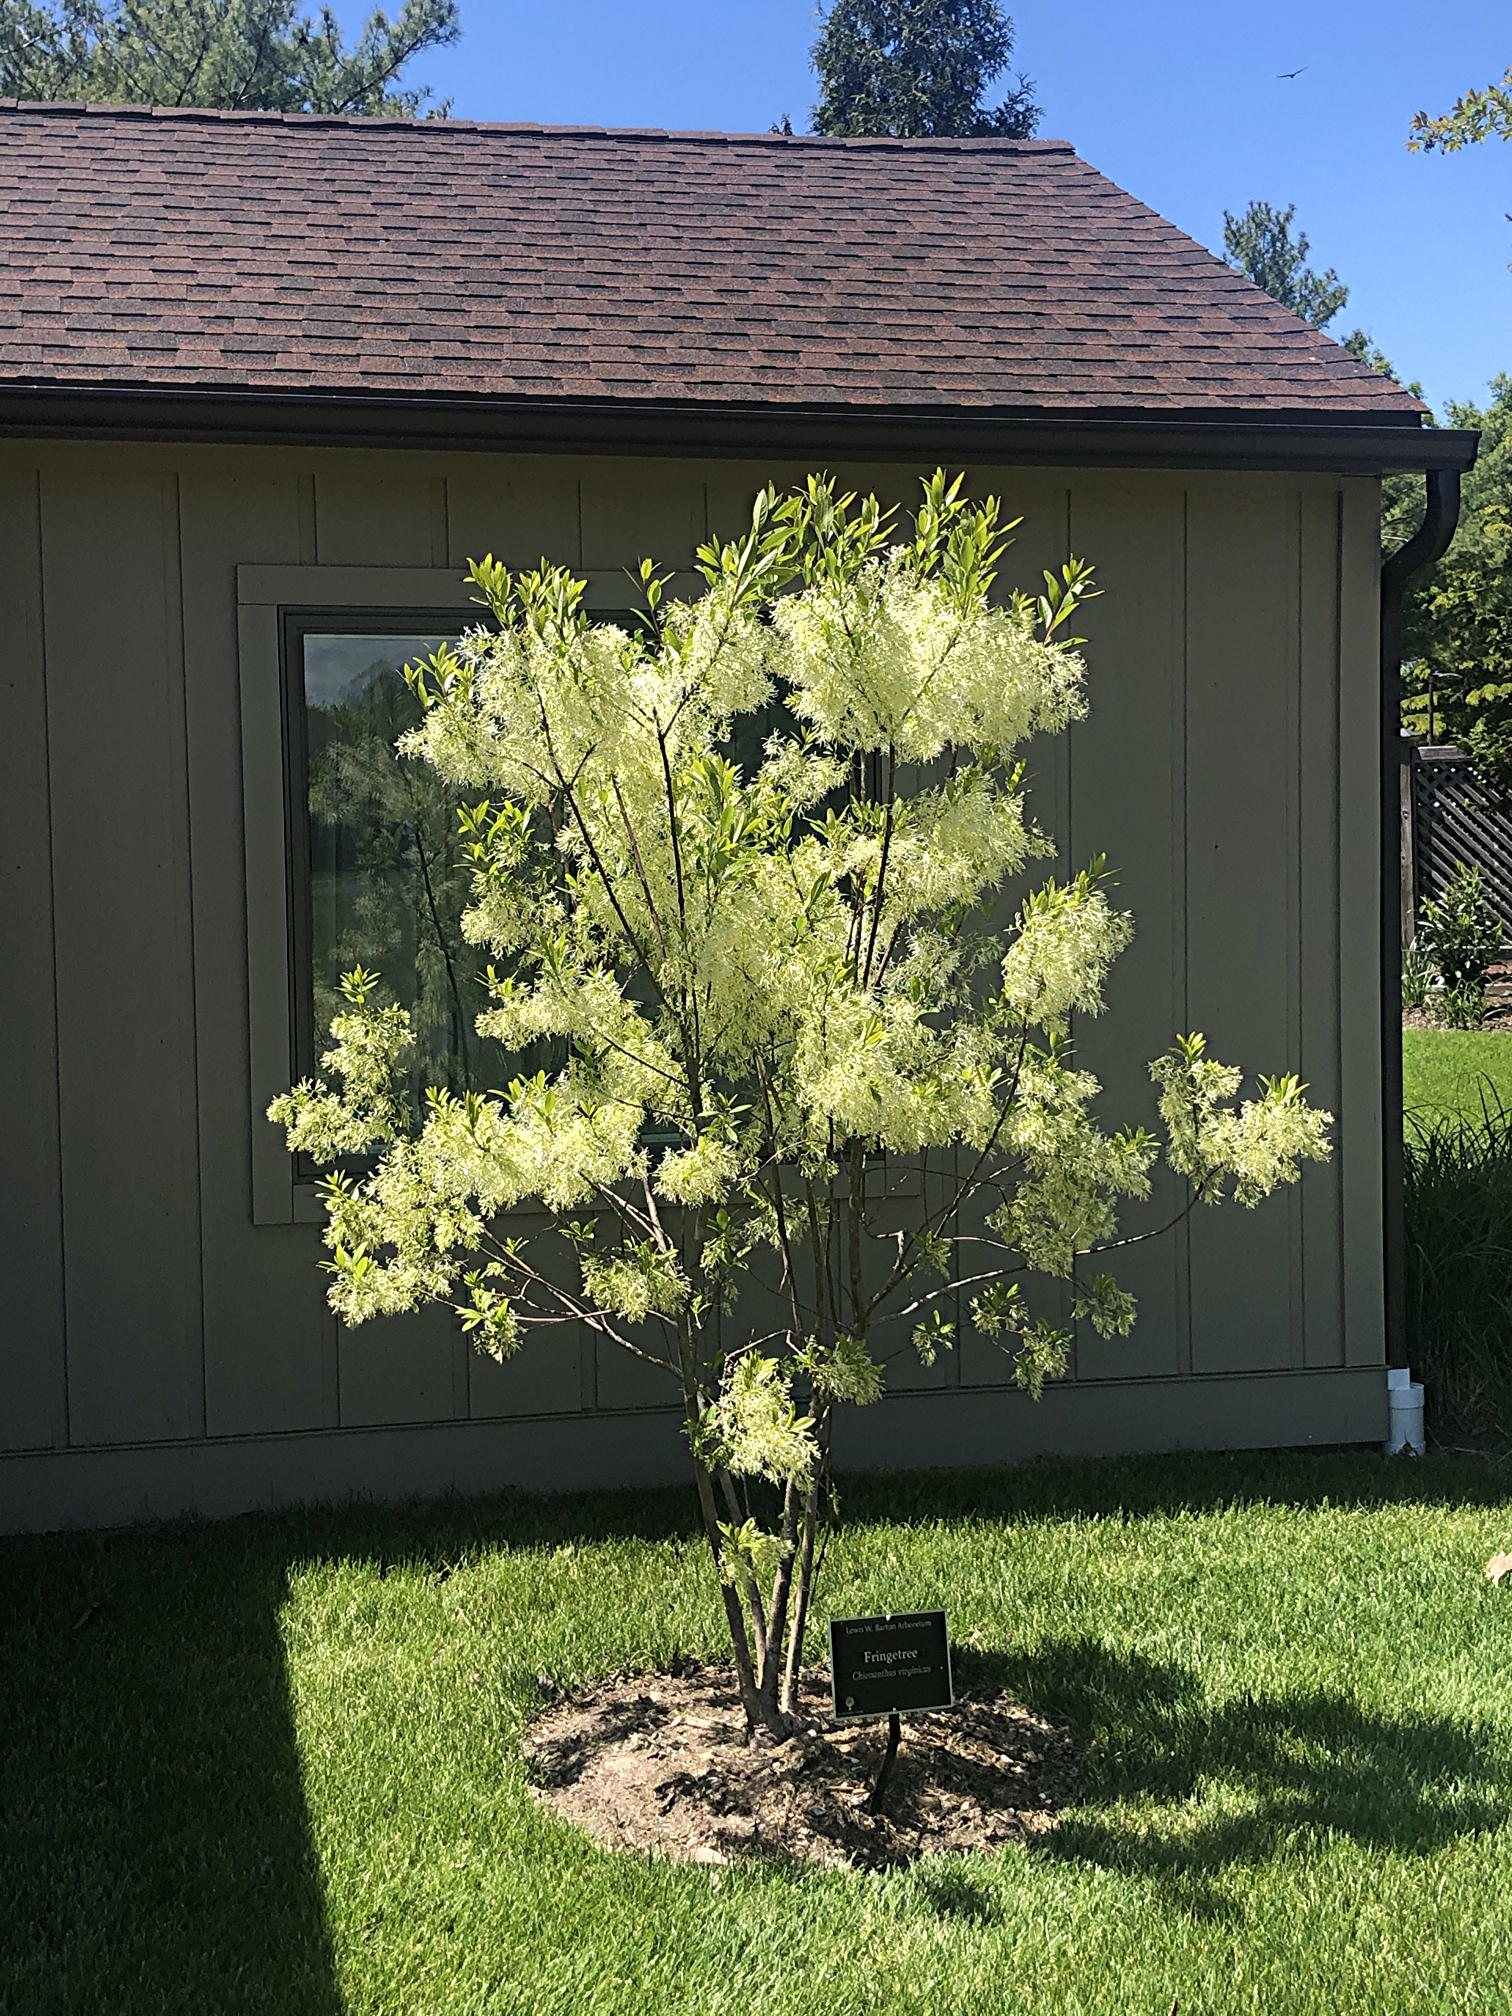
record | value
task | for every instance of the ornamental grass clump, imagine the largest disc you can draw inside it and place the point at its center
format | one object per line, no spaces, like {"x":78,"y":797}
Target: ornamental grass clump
{"x":1457,"y":1184}
{"x":739,"y":888}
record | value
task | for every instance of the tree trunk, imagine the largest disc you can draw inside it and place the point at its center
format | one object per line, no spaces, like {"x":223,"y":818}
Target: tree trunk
{"x":771,"y":1665}
{"x":803,"y":1583}
{"x":756,"y":1713}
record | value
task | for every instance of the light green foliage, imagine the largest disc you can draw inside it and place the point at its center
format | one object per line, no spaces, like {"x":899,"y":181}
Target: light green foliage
{"x":1227,"y":1150}
{"x":753,"y":1429}
{"x":1457,"y":618}
{"x":918,"y":67}
{"x":1107,"y":1307}
{"x":1417,"y":976}
{"x":1477,"y":116}
{"x":749,"y":1555}
{"x":367,"y":1043}
{"x":933,"y":1336}
{"x":1460,"y":935}
{"x":238,"y":55}
{"x":846,"y":1370}
{"x":765,"y":971}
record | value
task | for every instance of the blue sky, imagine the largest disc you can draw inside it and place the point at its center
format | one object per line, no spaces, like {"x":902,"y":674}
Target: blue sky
{"x":1177,"y":101}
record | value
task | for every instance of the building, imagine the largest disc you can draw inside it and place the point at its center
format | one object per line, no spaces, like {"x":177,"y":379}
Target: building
{"x":267,"y":382}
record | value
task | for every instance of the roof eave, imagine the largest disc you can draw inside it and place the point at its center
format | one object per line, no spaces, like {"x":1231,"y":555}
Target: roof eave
{"x":1357,"y":443}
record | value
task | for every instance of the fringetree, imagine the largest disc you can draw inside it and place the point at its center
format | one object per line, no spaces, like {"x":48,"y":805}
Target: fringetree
{"x":236,"y":55}
{"x":744,"y":866}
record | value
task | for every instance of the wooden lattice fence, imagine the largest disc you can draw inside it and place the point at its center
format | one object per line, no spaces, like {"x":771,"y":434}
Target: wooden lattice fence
{"x":1449,"y":815}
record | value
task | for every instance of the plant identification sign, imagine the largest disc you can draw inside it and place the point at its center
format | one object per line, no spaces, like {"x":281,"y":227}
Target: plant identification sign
{"x":890,"y":1665}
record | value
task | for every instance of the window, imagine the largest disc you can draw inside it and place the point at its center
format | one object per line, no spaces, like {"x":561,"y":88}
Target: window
{"x":351,"y":854}
{"x":377,"y":876}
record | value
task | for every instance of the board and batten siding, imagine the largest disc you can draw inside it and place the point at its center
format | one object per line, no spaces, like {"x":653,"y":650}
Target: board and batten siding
{"x":165,"y":1343}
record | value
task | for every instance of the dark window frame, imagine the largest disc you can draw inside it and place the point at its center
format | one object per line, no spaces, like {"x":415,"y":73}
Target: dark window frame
{"x":294,"y":626}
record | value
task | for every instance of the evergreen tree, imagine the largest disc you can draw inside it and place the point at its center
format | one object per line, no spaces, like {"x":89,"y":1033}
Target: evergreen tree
{"x":922,"y":68}
{"x":1260,"y":245}
{"x":237,"y":55}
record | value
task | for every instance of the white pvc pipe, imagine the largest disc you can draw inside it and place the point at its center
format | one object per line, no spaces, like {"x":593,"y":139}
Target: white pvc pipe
{"x":1404,"y":1413}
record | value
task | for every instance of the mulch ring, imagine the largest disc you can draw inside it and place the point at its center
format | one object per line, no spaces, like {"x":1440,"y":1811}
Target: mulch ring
{"x":660,"y":1762}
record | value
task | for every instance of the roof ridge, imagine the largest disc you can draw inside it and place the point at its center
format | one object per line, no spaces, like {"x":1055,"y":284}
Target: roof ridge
{"x":212,"y":114}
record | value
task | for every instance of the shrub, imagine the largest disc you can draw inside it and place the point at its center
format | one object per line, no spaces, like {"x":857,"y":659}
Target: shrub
{"x":1458,"y":1195}
{"x":1460,"y":934}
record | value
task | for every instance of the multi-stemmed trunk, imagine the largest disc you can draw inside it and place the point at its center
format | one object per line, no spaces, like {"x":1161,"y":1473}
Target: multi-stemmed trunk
{"x":767,"y":1628}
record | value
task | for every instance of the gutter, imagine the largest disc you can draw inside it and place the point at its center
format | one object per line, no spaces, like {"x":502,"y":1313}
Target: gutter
{"x":1113,"y":438}
{"x":1427,"y":544}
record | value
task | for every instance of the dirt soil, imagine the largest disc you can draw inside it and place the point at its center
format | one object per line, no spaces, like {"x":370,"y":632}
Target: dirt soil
{"x":1498,"y":1003}
{"x":659,"y":1762}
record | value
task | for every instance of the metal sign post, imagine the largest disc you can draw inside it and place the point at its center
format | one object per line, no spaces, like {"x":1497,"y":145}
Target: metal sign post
{"x":892,"y":1666}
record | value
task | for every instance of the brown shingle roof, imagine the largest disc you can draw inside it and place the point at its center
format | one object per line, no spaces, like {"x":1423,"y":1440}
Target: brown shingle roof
{"x":263,"y":252}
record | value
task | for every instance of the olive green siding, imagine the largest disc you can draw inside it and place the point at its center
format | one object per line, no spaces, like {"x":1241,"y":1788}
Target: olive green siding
{"x":164,"y":1342}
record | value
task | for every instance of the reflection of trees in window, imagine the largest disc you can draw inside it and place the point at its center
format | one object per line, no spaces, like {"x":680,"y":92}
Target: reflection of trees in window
{"x":387,"y":884}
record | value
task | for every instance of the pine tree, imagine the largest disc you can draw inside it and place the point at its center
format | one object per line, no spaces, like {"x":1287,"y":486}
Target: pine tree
{"x":237,"y":55}
{"x":1260,"y":245}
{"x":911,"y":68}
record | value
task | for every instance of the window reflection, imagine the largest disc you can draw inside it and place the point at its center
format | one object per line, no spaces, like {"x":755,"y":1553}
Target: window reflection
{"x":386,"y":885}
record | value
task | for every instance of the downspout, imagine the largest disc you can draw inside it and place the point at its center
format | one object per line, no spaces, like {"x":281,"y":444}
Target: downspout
{"x":1427,"y":544}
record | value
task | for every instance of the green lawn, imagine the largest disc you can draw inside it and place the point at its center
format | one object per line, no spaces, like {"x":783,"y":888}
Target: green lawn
{"x":1447,"y":1070}
{"x":268,"y":1768}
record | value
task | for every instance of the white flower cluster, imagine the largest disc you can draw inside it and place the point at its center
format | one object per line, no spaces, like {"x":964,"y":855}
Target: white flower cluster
{"x":762,"y":958}
{"x":888,"y":661}
{"x":753,"y":1428}
{"x":1241,"y":1151}
{"x":1067,"y":937}
{"x":365,"y":1113}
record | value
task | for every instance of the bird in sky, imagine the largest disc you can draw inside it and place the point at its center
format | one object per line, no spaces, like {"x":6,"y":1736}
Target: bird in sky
{"x":1282,"y":74}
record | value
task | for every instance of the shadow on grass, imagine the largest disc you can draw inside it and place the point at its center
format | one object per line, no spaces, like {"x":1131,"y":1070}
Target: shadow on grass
{"x":440,"y":1533}
{"x":1303,"y":1764}
{"x":949,"y":1891}
{"x":1134,"y":1487}
{"x":155,"y":1856}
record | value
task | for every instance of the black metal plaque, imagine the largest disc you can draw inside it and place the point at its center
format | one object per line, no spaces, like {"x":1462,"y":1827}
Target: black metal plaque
{"x":890,"y":1665}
